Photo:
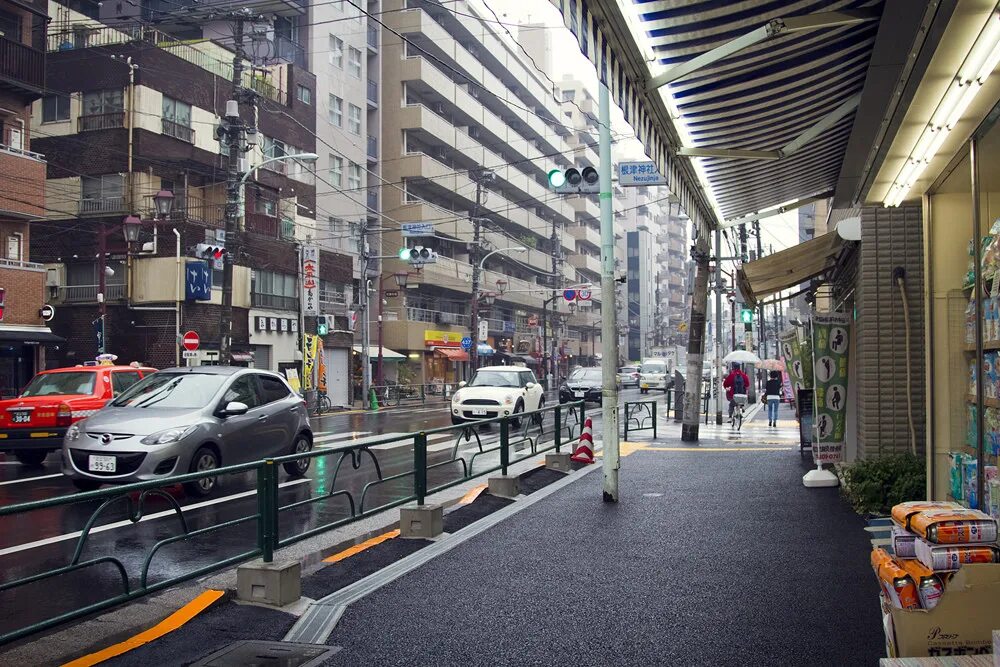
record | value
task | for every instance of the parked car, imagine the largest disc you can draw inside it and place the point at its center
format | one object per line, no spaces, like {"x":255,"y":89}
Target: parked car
{"x":582,"y":383}
{"x":184,"y":420}
{"x":653,"y":375}
{"x":33,"y":424}
{"x":628,"y":376}
{"x":496,"y":391}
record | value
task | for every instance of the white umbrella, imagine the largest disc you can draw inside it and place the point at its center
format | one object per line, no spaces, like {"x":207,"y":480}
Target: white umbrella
{"x":741,"y":357}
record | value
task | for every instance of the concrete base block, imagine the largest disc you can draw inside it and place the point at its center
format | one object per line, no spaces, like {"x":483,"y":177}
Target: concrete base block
{"x":505,"y":486}
{"x":421,"y":521}
{"x":276,"y":584}
{"x":558,"y":461}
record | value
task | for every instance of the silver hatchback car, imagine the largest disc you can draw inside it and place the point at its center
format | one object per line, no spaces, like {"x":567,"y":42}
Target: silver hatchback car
{"x":182,"y":420}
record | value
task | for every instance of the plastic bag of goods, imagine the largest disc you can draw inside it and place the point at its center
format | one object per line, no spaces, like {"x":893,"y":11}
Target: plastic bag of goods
{"x":903,"y":512}
{"x":930,"y":587}
{"x":954,"y":526}
{"x":944,"y":558}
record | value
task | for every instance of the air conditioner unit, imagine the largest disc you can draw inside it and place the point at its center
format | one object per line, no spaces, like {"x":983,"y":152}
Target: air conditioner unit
{"x":55,"y":275}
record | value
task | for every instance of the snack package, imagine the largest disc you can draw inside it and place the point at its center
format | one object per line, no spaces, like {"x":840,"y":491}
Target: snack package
{"x":903,"y":513}
{"x":991,"y":421}
{"x":993,"y":498}
{"x":954,"y":526}
{"x":952,"y":557}
{"x":990,"y":374}
{"x":972,"y":379}
{"x":970,"y":322}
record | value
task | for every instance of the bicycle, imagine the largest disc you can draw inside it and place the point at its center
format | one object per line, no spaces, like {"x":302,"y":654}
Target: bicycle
{"x":323,"y":404}
{"x":740,"y":401}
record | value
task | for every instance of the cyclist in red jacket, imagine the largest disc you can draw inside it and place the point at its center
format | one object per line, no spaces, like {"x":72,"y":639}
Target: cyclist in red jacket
{"x":737,"y":382}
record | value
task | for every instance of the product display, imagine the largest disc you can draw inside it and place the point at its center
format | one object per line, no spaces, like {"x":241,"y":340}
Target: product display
{"x":903,"y":512}
{"x":899,"y":587}
{"x":903,"y":543}
{"x":953,"y":556}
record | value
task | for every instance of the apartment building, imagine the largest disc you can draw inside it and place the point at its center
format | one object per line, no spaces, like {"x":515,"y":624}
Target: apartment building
{"x":133,"y":112}
{"x":460,"y":96}
{"x":23,"y":333}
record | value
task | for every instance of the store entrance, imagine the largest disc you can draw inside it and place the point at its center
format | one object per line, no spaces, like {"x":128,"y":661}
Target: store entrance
{"x":17,"y":367}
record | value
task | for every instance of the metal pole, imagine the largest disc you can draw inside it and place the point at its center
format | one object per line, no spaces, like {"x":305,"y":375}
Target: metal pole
{"x":717,"y":383}
{"x":233,"y":136}
{"x":978,"y":298}
{"x":177,"y":301}
{"x":379,"y":377}
{"x":556,"y":284}
{"x":366,"y":364}
{"x":761,"y":316}
{"x":102,"y":286}
{"x":481,"y":176}
{"x":609,"y":360}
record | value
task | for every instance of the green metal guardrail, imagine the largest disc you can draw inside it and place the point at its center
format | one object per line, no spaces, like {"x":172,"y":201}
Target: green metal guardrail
{"x":529,"y":429}
{"x":642,"y":414}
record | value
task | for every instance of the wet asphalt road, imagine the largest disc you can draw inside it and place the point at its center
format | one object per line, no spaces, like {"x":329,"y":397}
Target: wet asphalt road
{"x":47,"y":539}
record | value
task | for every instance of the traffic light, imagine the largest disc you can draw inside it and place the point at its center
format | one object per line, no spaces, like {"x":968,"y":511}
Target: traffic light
{"x":322,"y":325}
{"x":746,"y":315}
{"x":209,"y":251}
{"x":575,"y":181}
{"x":418,"y":255}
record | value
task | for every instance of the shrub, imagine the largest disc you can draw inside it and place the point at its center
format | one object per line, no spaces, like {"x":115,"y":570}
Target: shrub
{"x":874,"y":485}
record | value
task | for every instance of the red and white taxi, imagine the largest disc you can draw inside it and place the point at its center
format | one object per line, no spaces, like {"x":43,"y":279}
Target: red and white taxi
{"x":34,"y":423}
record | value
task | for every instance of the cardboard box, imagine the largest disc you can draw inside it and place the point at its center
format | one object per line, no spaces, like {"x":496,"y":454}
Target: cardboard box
{"x":956,"y":661}
{"x":961,"y":624}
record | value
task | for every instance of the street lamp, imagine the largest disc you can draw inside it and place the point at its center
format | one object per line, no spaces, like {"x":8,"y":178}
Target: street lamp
{"x":131,"y":226}
{"x":474,"y":356}
{"x":402,"y":280}
{"x":164,"y":203}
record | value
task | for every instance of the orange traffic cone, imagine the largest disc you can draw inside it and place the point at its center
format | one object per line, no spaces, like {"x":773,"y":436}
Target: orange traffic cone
{"x":585,"y":450}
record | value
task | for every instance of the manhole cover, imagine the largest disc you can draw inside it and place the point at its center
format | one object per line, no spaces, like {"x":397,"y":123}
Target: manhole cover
{"x":270,"y":654}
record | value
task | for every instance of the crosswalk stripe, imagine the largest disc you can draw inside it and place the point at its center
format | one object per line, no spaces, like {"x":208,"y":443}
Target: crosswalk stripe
{"x":350,"y":435}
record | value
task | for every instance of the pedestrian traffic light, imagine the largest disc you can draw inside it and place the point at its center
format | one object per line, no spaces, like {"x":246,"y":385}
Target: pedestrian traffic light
{"x":418,"y":255}
{"x":209,"y":251}
{"x":575,"y":181}
{"x":322,"y":325}
{"x":746,"y":315}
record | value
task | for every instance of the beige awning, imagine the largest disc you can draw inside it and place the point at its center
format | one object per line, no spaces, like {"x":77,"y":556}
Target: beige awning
{"x":789,"y":267}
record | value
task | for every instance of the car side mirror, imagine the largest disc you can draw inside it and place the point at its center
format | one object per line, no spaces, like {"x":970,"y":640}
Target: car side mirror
{"x":235,"y":408}
{"x":530,"y":385}
{"x":462,"y":384}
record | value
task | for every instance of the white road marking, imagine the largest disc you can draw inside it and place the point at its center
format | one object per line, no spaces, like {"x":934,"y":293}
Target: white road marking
{"x":30,"y":479}
{"x":120,"y":524}
{"x":350,"y":435}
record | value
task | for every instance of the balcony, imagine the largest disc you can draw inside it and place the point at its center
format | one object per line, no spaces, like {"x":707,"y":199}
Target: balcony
{"x":372,"y":38}
{"x":587,"y":263}
{"x":103,"y":205}
{"x":372,"y":199}
{"x":88,"y":293}
{"x":586,"y":234}
{"x":21,"y":66}
{"x":261,"y":223}
{"x":373,"y":93}
{"x":177,"y":131}
{"x":290,"y":51}
{"x":275,"y":301}
{"x":372,"y":148}
{"x":101,"y":121}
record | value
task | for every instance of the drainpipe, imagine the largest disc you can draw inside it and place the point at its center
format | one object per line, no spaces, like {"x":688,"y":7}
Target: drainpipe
{"x":177,"y":300}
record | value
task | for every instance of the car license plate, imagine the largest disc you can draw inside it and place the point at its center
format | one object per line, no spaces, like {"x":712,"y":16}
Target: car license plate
{"x":578,"y":394}
{"x":102,"y":463}
{"x":23,"y":417}
{"x":476,"y":412}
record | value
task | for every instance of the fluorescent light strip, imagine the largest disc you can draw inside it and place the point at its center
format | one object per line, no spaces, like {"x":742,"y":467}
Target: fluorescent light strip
{"x":982,"y":59}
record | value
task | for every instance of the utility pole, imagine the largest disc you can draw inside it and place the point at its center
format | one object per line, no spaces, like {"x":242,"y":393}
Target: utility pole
{"x":717,"y":385}
{"x":696,"y":342}
{"x":609,"y":359}
{"x":366,"y":364}
{"x":760,"y":317}
{"x":481,"y":177}
{"x":233,"y":128}
{"x":556,"y":285}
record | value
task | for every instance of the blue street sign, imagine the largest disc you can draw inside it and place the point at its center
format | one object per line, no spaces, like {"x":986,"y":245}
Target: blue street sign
{"x":197,"y":281}
{"x":569,"y":295}
{"x":466,"y":343}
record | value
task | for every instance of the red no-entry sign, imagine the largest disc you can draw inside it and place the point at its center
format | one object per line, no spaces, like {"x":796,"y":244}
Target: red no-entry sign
{"x":191,"y":340}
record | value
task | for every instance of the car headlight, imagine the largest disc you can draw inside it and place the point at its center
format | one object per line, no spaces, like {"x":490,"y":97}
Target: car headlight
{"x":73,"y":432}
{"x":168,"y":436}
{"x":456,"y":397}
{"x":508,"y":399}
{"x":565,"y":387}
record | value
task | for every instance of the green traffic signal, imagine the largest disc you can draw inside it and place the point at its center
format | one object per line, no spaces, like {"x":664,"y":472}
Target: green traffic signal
{"x":557,"y":178}
{"x":746,"y":315}
{"x":321,"y":326}
{"x":404,"y":253}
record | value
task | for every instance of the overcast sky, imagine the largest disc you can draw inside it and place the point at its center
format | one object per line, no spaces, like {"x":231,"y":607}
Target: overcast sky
{"x":779,"y":231}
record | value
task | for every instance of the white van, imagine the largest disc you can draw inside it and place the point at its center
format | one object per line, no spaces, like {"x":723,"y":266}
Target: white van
{"x":653,"y":374}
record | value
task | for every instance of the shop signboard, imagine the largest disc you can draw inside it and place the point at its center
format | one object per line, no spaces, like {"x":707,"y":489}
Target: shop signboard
{"x":310,"y":281}
{"x":830,"y":336}
{"x":443,"y":338}
{"x":793,"y":352}
{"x":309,"y":348}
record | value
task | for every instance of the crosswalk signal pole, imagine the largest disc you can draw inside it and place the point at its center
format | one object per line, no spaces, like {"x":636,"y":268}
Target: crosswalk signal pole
{"x":609,"y":337}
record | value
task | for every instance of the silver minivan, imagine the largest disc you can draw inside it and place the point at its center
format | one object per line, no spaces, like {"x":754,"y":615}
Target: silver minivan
{"x":182,"y":420}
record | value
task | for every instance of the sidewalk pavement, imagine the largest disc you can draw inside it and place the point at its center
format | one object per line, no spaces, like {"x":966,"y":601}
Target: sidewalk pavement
{"x":715,"y":555}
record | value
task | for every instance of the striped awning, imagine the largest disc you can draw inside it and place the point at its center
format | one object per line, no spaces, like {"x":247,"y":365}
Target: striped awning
{"x":768,"y":117}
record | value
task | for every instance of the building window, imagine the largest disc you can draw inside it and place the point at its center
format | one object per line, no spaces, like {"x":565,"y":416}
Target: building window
{"x":273,"y":148}
{"x":55,"y":108}
{"x":336,"y":171}
{"x":337,"y":52}
{"x":354,"y":119}
{"x":273,"y":290}
{"x":568,"y":95}
{"x":109,"y":189}
{"x":102,"y":102}
{"x":267,"y":207}
{"x":10,"y":27}
{"x":336,"y":111}
{"x":354,"y":177}
{"x":15,"y":243}
{"x":305,"y":95}
{"x":177,"y":119}
{"x":354,"y":62}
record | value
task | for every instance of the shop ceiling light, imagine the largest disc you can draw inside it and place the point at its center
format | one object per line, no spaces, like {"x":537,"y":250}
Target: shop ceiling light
{"x":979,"y":63}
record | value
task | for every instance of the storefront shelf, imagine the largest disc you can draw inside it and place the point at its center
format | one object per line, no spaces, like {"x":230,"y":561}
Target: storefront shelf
{"x":987,"y":345}
{"x":988,"y":402}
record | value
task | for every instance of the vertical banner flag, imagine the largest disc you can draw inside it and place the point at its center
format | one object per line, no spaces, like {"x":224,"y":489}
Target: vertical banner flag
{"x":310,"y":280}
{"x":320,"y":366}
{"x":791,"y":353}
{"x":830,"y":335}
{"x":308,"y":361}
